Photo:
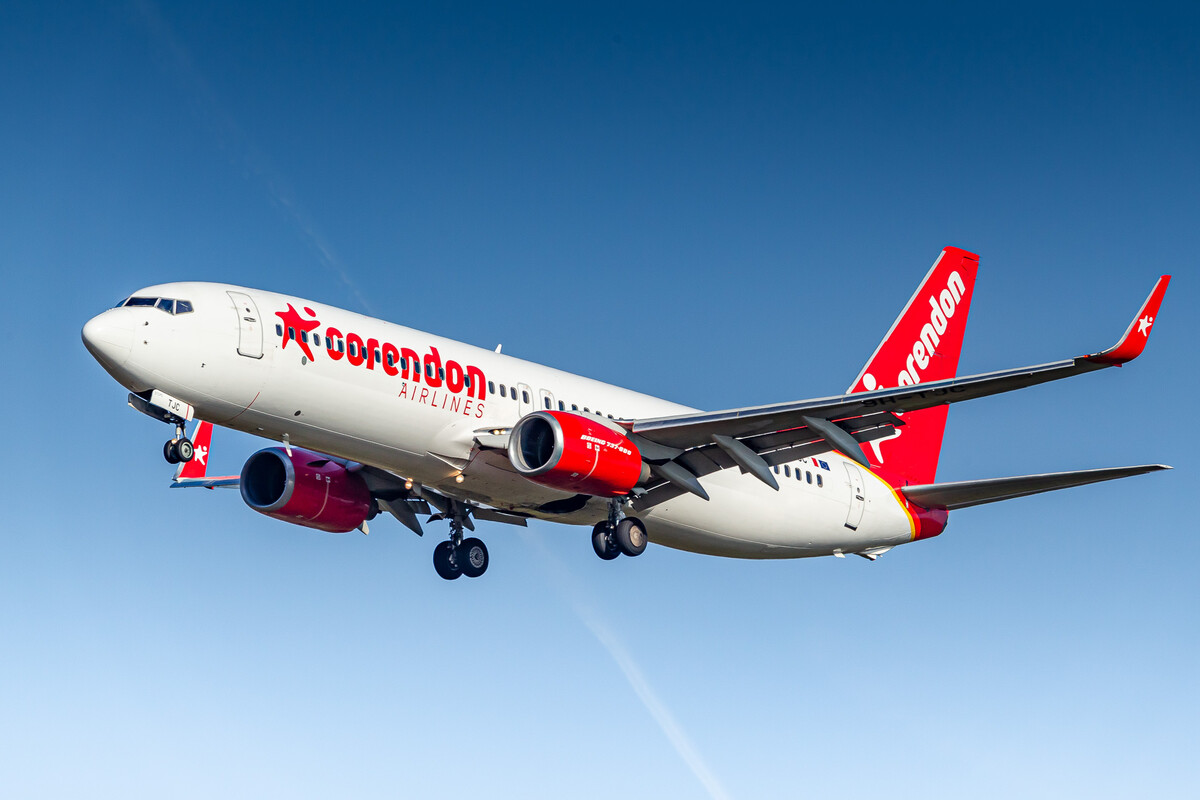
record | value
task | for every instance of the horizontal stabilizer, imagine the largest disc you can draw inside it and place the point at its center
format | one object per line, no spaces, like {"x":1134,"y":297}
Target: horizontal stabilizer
{"x":963,"y":494}
{"x":226,"y":482}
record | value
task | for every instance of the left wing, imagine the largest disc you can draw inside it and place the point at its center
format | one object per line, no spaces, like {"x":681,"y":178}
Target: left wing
{"x":392,"y":493}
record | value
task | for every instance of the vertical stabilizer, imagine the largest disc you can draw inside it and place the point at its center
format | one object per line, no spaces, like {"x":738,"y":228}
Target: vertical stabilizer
{"x":922,"y":345}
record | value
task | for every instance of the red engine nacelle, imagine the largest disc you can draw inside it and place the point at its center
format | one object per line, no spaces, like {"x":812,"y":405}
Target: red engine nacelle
{"x":305,"y":489}
{"x":574,"y":453}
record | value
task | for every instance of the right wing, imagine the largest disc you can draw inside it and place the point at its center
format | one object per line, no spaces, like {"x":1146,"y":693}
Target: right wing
{"x":700,"y":442}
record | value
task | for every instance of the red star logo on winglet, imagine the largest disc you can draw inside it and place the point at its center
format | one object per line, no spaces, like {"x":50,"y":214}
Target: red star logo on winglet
{"x":292,"y":319}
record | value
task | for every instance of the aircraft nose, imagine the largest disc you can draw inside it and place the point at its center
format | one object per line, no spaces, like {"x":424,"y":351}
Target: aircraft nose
{"x":108,"y":337}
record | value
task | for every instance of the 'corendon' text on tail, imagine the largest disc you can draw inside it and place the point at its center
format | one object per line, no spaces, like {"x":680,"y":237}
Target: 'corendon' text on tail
{"x":923,"y":345}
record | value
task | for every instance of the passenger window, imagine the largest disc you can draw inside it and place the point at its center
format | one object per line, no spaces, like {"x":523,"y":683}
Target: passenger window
{"x":183,"y":307}
{"x":808,"y":476}
{"x":316,"y":340}
{"x":391,"y":362}
{"x":491,"y":387}
{"x":378,"y":355}
{"x":341,"y":346}
{"x":819,"y":481}
{"x":776,"y":468}
{"x":291,"y":333}
{"x":574,"y":407}
{"x":466,"y":381}
{"x":166,"y":305}
{"x":547,"y":401}
{"x":524,"y":396}
{"x":503,"y":390}
{"x":404,"y":364}
{"x":279,"y":330}
{"x":512,"y":391}
{"x":587,"y":410}
{"x":304,"y":336}
{"x":562,"y":406}
{"x":787,"y":472}
{"x":442,"y":373}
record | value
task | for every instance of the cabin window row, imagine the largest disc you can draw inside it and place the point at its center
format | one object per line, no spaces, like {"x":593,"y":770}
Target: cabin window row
{"x":801,"y":475}
{"x":510,"y":392}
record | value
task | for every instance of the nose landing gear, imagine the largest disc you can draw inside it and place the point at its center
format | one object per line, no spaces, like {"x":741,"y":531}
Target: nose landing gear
{"x":172,"y":411}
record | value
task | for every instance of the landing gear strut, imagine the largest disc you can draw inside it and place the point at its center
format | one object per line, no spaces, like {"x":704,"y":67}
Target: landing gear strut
{"x":180,"y":448}
{"x":459,"y":556}
{"x":619,"y":534}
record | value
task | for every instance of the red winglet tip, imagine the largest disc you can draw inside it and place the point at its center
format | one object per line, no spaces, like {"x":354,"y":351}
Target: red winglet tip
{"x":1138,"y":333}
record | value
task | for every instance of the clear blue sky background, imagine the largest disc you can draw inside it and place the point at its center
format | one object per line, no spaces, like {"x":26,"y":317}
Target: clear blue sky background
{"x":723,"y":206}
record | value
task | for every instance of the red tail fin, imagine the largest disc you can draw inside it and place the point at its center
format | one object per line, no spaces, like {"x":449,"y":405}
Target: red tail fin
{"x":202,"y":442}
{"x":923,"y":345}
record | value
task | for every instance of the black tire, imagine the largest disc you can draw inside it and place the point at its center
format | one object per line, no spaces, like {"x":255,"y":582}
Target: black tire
{"x":603,"y":543}
{"x":444,"y":562}
{"x":631,"y":536}
{"x":169,"y":452}
{"x":185,"y":450}
{"x":472,"y":557}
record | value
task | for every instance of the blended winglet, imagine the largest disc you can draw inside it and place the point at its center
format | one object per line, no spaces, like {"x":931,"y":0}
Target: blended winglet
{"x":1134,"y":341}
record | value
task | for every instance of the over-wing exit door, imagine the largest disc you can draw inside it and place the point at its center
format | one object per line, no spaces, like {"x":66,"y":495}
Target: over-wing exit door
{"x":857,"y":498}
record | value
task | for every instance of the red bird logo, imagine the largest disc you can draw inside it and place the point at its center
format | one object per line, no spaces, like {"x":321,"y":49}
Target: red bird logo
{"x":292,"y":321}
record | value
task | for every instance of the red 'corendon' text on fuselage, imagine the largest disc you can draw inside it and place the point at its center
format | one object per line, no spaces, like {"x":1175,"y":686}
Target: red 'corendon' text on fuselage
{"x":393,"y":360}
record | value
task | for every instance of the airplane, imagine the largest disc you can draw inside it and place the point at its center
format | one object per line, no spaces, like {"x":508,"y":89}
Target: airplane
{"x":373,"y":417}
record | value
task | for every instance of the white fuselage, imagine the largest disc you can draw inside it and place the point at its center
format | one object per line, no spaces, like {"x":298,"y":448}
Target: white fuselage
{"x":227,"y":359}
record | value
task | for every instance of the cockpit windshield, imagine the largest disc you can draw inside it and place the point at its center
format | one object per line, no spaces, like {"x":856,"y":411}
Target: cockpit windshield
{"x":167,"y":304}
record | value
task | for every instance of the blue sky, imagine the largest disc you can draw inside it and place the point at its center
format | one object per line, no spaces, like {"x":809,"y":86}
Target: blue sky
{"x":720,"y":205}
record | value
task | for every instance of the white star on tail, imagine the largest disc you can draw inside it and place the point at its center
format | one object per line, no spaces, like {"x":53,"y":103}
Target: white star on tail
{"x":1144,"y":325}
{"x":201,"y":453}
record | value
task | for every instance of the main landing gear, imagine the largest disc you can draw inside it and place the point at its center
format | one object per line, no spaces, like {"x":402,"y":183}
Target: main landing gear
{"x":180,"y":448}
{"x":460,"y":556}
{"x":619,"y":534}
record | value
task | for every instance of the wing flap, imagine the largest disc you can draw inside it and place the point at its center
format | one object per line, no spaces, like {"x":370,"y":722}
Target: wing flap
{"x":963,"y":494}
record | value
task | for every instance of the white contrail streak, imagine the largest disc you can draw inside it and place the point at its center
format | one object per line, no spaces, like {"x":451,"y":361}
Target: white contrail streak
{"x":560,"y":577}
{"x":231,"y":136}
